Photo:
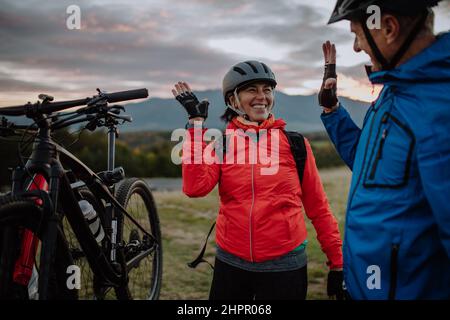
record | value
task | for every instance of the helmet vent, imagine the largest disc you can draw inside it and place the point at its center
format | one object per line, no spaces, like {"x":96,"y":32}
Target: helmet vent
{"x":239,"y":70}
{"x":266,"y":70}
{"x":252,"y":66}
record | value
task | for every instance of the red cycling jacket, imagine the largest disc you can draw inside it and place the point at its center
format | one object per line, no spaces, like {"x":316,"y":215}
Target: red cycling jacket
{"x":261,"y":215}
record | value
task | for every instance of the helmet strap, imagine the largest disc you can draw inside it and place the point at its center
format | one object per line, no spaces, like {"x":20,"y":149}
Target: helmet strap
{"x":389,"y":65}
{"x":273,"y":103}
{"x":409,"y":40}
{"x":237,"y":110}
{"x":238,"y":102}
{"x":368,"y":69}
{"x":381,"y":59}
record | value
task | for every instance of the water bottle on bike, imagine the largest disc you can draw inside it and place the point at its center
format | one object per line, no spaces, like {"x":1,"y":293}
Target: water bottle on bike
{"x":92,"y":219}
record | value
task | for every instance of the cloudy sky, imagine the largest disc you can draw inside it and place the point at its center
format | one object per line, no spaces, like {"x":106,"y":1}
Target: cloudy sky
{"x":153,"y":43}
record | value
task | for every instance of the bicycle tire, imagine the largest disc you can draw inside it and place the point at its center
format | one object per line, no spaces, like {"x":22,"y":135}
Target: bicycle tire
{"x":136,"y":197}
{"x":16,"y":214}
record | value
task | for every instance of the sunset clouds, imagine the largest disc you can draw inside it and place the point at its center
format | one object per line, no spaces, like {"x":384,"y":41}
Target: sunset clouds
{"x":152,"y":44}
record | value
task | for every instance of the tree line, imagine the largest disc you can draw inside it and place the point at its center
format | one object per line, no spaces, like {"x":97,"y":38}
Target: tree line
{"x":141,"y":154}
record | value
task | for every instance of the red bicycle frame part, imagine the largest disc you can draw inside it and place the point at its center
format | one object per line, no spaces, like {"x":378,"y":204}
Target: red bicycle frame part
{"x":24,"y":265}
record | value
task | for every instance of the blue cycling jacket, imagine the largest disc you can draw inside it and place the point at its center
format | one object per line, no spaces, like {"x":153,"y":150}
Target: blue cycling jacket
{"x":397,"y":230}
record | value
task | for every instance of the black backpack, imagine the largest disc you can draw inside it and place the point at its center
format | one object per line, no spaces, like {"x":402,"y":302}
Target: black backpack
{"x":298,"y":148}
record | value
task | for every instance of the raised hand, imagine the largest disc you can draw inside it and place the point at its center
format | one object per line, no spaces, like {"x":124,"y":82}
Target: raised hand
{"x":327,"y":94}
{"x":183,"y":93}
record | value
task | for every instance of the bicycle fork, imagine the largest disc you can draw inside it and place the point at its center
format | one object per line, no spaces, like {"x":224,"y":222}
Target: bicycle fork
{"x":23,"y":268}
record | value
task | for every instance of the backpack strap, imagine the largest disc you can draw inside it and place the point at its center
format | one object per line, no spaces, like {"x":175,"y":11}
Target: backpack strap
{"x":199,"y":258}
{"x":224,"y":147}
{"x":298,"y":148}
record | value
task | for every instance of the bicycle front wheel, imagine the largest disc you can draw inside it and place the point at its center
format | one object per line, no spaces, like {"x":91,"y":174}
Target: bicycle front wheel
{"x":16,"y":215}
{"x":142,"y":254}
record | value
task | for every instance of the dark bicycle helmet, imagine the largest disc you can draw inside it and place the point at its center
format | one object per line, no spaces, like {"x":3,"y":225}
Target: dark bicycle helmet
{"x":245,"y":73}
{"x":357,"y":10}
{"x":349,"y":9}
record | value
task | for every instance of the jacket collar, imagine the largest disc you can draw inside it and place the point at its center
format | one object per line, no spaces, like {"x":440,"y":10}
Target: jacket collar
{"x":430,"y":65}
{"x":269,"y":123}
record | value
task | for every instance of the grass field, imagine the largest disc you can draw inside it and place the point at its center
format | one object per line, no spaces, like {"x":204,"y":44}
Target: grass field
{"x":185,"y":223}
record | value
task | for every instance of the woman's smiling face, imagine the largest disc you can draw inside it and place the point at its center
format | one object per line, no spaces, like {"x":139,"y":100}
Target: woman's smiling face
{"x":256,"y":100}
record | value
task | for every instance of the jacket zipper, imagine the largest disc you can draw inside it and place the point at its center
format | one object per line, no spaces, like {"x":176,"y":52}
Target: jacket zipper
{"x":250,"y":216}
{"x":379,"y":154}
{"x":350,"y":200}
{"x":394,"y":268}
{"x":371,"y":109}
{"x":253,"y":201}
{"x":251,"y":211}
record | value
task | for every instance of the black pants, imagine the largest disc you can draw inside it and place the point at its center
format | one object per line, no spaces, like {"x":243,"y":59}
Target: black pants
{"x":231,"y":283}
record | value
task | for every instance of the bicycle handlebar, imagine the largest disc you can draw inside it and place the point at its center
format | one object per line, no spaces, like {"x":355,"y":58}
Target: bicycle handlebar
{"x":126,"y":95}
{"x":49,"y":107}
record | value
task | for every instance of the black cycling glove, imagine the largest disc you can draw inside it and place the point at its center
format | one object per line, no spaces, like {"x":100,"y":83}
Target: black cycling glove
{"x":335,"y":284}
{"x":328,"y":97}
{"x":193,"y":107}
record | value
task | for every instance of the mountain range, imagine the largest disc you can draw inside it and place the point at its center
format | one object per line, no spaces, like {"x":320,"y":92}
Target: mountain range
{"x":301,"y":113}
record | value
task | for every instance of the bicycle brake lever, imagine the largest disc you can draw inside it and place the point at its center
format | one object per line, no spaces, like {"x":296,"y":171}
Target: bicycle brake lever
{"x":116,"y":108}
{"x":92,"y":125}
{"x":124,"y":117}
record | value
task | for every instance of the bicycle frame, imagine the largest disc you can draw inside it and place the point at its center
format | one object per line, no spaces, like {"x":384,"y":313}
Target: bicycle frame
{"x":46,"y":161}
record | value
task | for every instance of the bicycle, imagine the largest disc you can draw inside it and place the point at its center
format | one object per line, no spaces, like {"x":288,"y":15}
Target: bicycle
{"x":44,"y":207}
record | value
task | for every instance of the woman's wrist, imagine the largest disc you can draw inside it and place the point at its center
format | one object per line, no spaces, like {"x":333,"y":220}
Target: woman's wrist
{"x":191,"y":121}
{"x":330,"y":110}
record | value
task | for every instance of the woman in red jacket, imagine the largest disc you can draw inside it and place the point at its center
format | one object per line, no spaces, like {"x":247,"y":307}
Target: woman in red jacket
{"x":261,"y":234}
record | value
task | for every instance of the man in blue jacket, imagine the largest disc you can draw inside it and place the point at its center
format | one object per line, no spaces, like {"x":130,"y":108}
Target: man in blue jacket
{"x":397,"y":232}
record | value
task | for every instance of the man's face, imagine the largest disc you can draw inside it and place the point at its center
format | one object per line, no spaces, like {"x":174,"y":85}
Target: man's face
{"x":361,"y":43}
{"x":256,"y":100}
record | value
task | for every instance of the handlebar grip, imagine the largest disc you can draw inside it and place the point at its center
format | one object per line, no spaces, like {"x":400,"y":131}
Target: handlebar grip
{"x":127,"y":95}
